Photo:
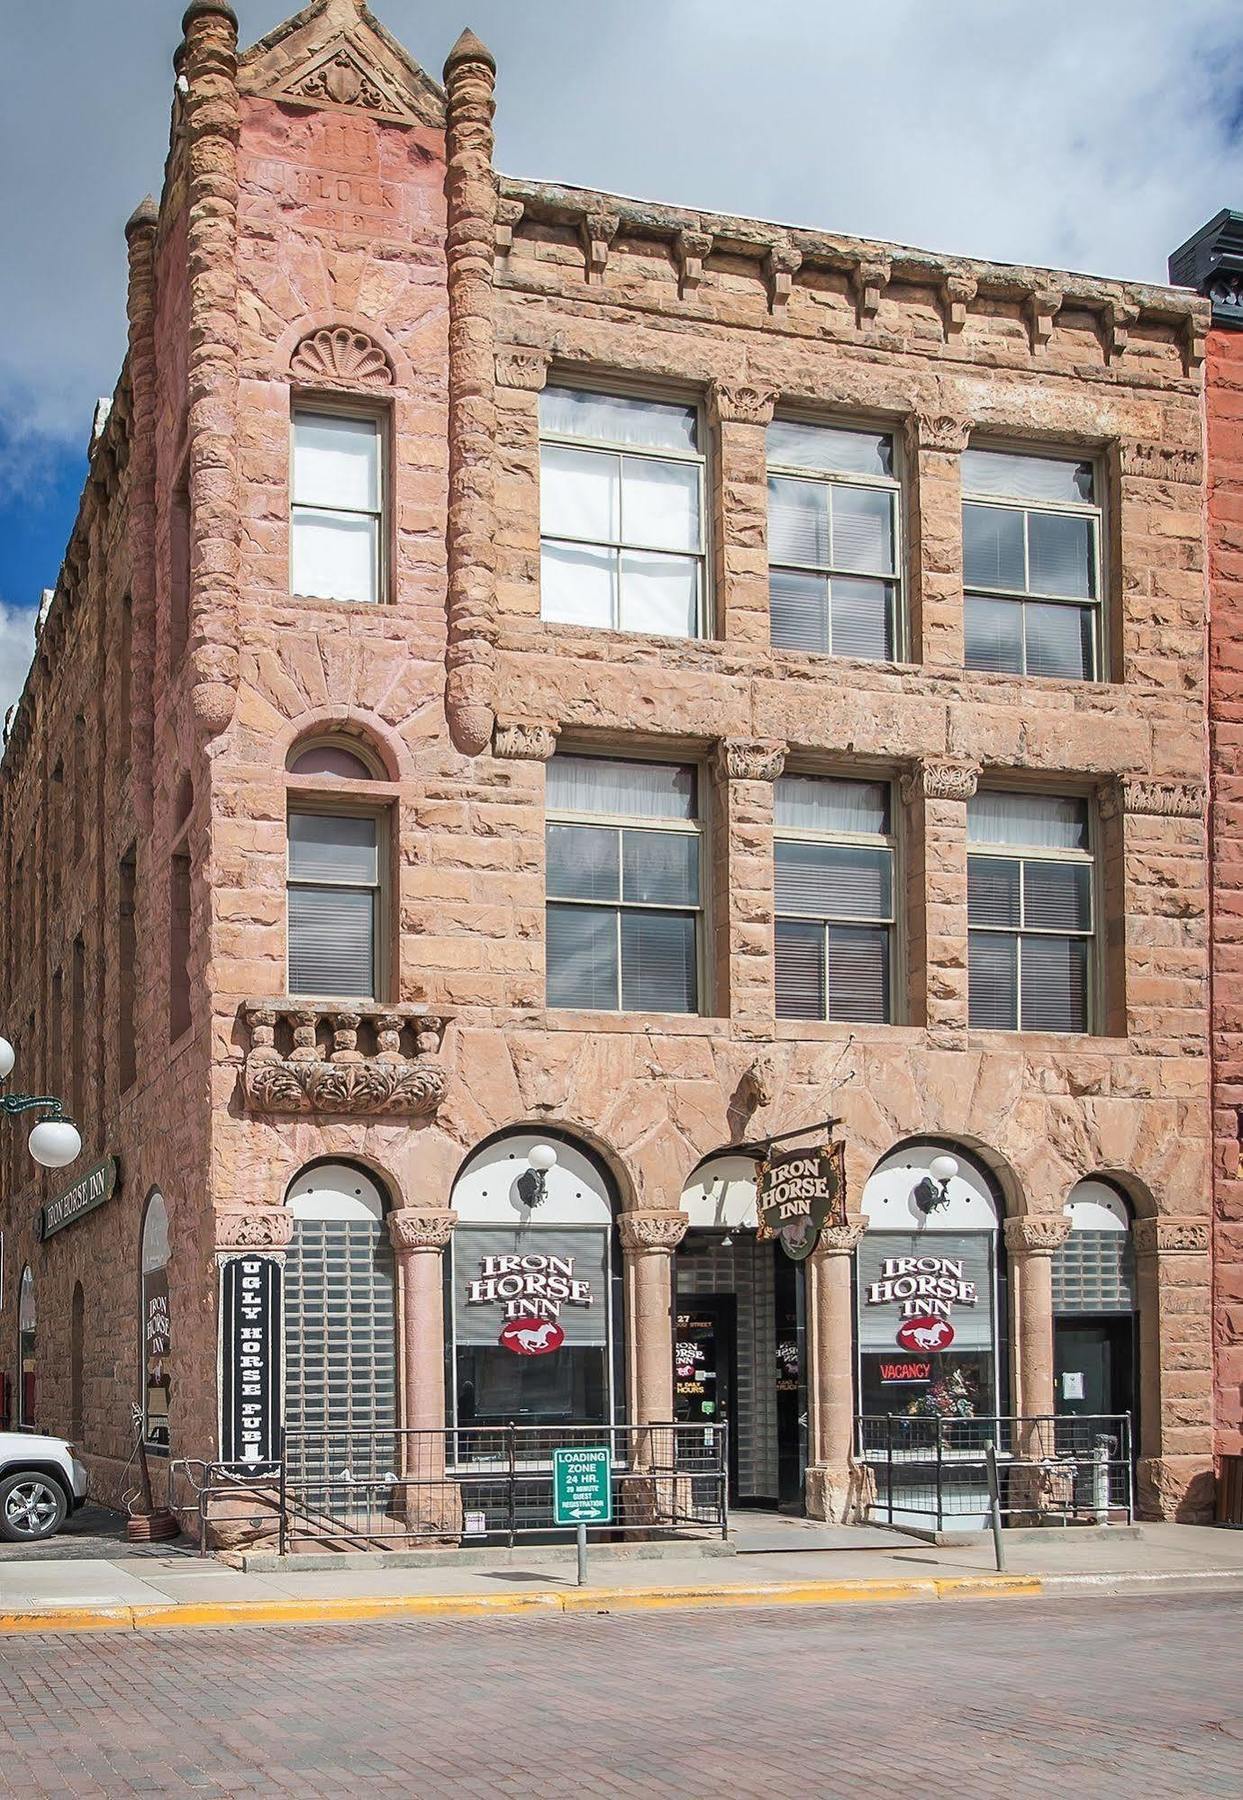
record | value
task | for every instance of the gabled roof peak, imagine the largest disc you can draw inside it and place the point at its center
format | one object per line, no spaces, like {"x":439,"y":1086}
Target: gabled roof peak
{"x":336,"y":53}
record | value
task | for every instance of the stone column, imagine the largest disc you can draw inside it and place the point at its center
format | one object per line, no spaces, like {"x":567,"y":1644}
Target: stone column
{"x":739,"y":413}
{"x":521,"y":376}
{"x":832,"y":1477}
{"x":742,"y":886}
{"x":648,"y":1241}
{"x":1030,"y":1243}
{"x":936,"y":794}
{"x":432,"y":1505}
{"x":935,"y":441}
{"x":1175,"y":1473}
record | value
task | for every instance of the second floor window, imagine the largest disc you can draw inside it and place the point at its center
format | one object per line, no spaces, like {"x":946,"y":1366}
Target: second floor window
{"x":623,"y":882}
{"x":833,"y":554}
{"x":621,"y":513}
{"x":1029,"y":912}
{"x":1031,"y":565}
{"x":334,"y":904}
{"x":833,"y":861}
{"x":336,"y":549}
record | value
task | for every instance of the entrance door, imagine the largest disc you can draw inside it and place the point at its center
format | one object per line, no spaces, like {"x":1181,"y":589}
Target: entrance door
{"x":705,"y":1367}
{"x":1094,"y":1365}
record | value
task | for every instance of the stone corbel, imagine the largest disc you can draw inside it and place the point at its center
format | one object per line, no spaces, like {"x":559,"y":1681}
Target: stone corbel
{"x":258,"y":1228}
{"x":1158,"y":799}
{"x":929,"y":780}
{"x":691,"y":248}
{"x":869,"y":278}
{"x":646,"y":1233}
{"x":410,"y":1230}
{"x":1040,"y":310}
{"x":1036,"y":1234}
{"x":508,"y":216}
{"x":741,"y":403}
{"x":1195,"y":331}
{"x":943,"y":431}
{"x":598,"y":231}
{"x":957,"y":293}
{"x":518,"y":366}
{"x":524,"y":740}
{"x":750,"y":759}
{"x":1171,"y":1237}
{"x":1119,"y":316}
{"x":781,"y":265}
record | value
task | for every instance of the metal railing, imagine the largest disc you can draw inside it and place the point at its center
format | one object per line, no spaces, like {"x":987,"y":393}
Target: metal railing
{"x":933,"y":1472}
{"x":224,"y":1499}
{"x":341,"y":1487}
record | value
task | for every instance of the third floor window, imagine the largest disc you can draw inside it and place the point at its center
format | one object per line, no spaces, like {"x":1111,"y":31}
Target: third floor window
{"x":1031,"y":565}
{"x":336,"y":550}
{"x":621,"y":513}
{"x":833,"y":540}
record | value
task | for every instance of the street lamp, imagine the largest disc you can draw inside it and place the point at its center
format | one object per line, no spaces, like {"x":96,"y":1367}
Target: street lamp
{"x":55,"y":1140}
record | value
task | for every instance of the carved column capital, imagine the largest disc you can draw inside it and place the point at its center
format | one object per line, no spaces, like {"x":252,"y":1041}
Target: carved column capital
{"x":750,"y":759}
{"x":651,"y":1232}
{"x":410,"y":1230}
{"x":265,"y":1228}
{"x":741,"y":403}
{"x":1171,"y":1237}
{"x":931,"y":429}
{"x":929,"y":780}
{"x":841,"y":1240}
{"x":518,"y":366}
{"x":1036,"y":1234}
{"x":1159,"y":799}
{"x":524,"y":740}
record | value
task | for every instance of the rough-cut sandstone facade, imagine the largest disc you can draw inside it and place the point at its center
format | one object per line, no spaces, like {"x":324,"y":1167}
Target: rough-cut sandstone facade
{"x":330,"y":223}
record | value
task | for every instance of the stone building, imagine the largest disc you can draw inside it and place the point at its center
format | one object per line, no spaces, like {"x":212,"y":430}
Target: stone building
{"x":548,"y":693}
{"x":1212,"y":262}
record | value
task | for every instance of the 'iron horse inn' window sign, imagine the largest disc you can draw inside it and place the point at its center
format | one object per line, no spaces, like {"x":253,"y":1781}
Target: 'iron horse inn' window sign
{"x":926,"y":1325}
{"x":798,"y":1192}
{"x":531,"y":1292}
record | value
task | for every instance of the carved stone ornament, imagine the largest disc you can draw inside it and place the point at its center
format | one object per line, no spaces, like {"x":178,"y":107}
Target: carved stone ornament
{"x":338,"y":356}
{"x":660,"y":1232}
{"x":1036,"y":1235}
{"x":1171,"y":1237}
{"x":409,"y":1229}
{"x":598,"y":229}
{"x":944,"y":431}
{"x":508,"y":218}
{"x":750,"y":759}
{"x":1119,"y":316}
{"x":518,"y":367}
{"x":781,"y":265}
{"x":869,"y":278}
{"x":524,"y":740}
{"x":691,"y":249}
{"x":344,"y":74}
{"x":759,"y":1081}
{"x":1138,"y":794}
{"x":840,"y":1240}
{"x":1160,"y":462}
{"x":1041,"y":309}
{"x":742,"y":402}
{"x":940,"y":781}
{"x":298,"y":1078}
{"x":258,"y":1228}
{"x":957,"y":293}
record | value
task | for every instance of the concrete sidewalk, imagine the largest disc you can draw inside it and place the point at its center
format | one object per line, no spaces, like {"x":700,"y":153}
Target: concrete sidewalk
{"x":176,"y":1589}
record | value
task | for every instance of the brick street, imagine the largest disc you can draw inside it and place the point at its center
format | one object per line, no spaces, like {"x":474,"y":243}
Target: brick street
{"x":1096,"y":1697}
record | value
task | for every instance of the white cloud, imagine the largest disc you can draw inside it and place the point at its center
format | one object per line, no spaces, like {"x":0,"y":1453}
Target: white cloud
{"x":17,"y":648}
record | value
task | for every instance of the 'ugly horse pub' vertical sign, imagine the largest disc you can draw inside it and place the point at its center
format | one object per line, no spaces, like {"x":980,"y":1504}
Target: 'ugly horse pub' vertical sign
{"x":250,"y":1362}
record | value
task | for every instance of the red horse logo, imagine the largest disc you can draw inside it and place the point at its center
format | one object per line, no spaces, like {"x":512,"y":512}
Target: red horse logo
{"x":925,"y":1334}
{"x":525,"y":1338}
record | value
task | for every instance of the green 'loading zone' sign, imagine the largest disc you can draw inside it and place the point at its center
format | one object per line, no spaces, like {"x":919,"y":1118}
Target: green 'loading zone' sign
{"x":582,"y":1491}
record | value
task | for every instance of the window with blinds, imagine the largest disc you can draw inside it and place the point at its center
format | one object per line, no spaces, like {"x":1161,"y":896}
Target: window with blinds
{"x":623,"y":847}
{"x":336,"y":540}
{"x":1031,"y":531}
{"x":833,"y":540}
{"x":833,"y":879}
{"x":621,"y":513}
{"x":1029,"y":912}
{"x":333,"y":900}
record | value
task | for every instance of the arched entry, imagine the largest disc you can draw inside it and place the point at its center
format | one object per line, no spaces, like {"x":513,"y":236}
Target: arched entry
{"x":1095,"y":1308}
{"x":156,"y":1325}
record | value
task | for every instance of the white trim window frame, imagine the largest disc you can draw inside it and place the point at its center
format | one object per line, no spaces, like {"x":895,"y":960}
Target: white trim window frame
{"x":611,"y":529}
{"x":337,"y":517}
{"x":339,"y":880}
{"x":1031,"y":927}
{"x":1033,"y":623}
{"x":835,"y":539}
{"x":815,"y":938}
{"x":621,"y":889}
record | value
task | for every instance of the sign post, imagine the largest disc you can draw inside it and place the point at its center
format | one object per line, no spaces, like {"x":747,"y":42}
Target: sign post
{"x":582,"y":1493}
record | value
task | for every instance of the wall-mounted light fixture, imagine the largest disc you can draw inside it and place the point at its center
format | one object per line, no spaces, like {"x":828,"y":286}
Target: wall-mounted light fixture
{"x":933,"y":1189}
{"x":55,"y":1140}
{"x":533,"y":1182}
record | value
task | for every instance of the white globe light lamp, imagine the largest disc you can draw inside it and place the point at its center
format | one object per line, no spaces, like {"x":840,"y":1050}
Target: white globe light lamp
{"x":8,"y":1057}
{"x":943,"y":1168}
{"x":55,"y":1142}
{"x":933,"y":1189}
{"x":533,"y":1186}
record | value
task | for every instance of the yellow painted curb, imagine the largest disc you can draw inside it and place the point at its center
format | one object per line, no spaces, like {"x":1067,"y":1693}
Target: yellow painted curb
{"x":568,"y":1600}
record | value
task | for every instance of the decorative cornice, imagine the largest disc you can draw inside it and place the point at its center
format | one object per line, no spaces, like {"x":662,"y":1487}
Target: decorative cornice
{"x":840,"y":1240}
{"x":691,"y":250}
{"x":1171,"y":1237}
{"x":750,"y":759}
{"x":338,"y":356}
{"x":258,"y":1228}
{"x":741,"y":403}
{"x":1036,"y":1234}
{"x":1160,"y":462}
{"x":524,"y":740}
{"x":661,"y":1232}
{"x":520,"y":367}
{"x":943,"y":431}
{"x":1160,"y":799}
{"x":395,"y":1079}
{"x":410,"y":1230}
{"x":781,"y":264}
{"x":929,"y":780}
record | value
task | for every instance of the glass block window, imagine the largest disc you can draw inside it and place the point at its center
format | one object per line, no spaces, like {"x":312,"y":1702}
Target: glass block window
{"x":1029,"y":912}
{"x":337,"y":506}
{"x":833,"y":540}
{"x":333,"y":899}
{"x":624,"y":850}
{"x":340,"y":1361}
{"x":621,"y":513}
{"x":833,"y":874}
{"x":1094,"y":1272}
{"x":1031,"y":528}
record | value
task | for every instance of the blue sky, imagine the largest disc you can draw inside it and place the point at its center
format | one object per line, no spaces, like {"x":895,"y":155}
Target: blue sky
{"x":1097,"y":139}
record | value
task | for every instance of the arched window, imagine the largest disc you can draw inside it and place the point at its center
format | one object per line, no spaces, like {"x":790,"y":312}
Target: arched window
{"x":77,"y":1322}
{"x":534,"y":1286}
{"x":26,"y":1414}
{"x":343,"y":758}
{"x":156,"y":1325}
{"x":1095,"y":1306}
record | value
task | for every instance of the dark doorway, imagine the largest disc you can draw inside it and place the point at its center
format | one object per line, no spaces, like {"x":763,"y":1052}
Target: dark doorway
{"x":706,"y":1368}
{"x":1094,"y":1366}
{"x":789,"y":1290}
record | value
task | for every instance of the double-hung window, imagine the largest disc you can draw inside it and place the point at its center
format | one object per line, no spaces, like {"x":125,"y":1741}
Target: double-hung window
{"x":833,"y":540}
{"x":1029,"y":912}
{"x":623,"y":881}
{"x":334,"y":904}
{"x":1031,"y":530}
{"x":833,"y":867}
{"x":621,"y":513}
{"x":336,"y":537}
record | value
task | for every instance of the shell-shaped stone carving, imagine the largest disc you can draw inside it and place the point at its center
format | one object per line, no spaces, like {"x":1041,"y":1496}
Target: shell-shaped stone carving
{"x":342,"y":356}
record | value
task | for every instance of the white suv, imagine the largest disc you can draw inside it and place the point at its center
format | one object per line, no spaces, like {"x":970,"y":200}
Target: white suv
{"x":40,"y":1481}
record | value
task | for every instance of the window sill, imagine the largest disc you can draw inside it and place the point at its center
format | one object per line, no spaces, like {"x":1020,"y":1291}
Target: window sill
{"x":668,"y":1024}
{"x":838,"y":1031}
{"x":1060,"y":1043}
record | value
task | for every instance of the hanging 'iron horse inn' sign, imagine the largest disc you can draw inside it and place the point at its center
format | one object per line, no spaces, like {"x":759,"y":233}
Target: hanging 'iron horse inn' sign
{"x":88,"y":1192}
{"x":798,"y":1192}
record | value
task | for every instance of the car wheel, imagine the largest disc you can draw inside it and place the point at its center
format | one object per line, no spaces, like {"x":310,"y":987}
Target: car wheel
{"x":31,"y":1507}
